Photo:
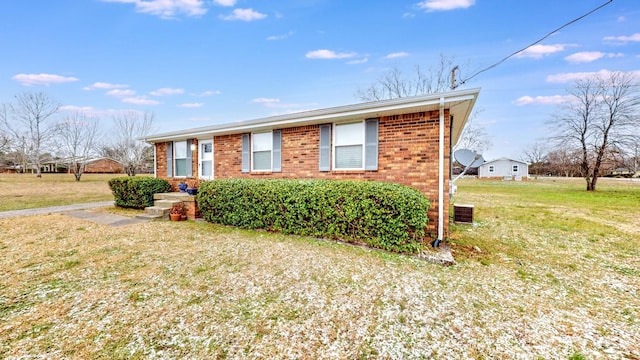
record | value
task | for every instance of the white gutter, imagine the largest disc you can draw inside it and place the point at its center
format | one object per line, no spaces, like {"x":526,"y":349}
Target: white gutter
{"x":340,"y":113}
{"x":440,"y":176}
{"x":155,"y":161}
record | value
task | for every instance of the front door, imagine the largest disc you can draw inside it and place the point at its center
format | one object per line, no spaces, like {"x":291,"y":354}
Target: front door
{"x":205,"y":159}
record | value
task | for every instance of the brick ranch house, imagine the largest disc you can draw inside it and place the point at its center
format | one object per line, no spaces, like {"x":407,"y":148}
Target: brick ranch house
{"x":103,"y":165}
{"x":405,"y":140}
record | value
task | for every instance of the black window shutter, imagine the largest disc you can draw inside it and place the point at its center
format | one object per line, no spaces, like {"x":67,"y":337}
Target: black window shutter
{"x":169,"y":159}
{"x":371,"y":144}
{"x":277,"y":151}
{"x":245,"y":153}
{"x":325,"y":147}
{"x":189,"y":158}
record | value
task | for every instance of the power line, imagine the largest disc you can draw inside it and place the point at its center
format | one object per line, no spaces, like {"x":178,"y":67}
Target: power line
{"x":534,"y":43}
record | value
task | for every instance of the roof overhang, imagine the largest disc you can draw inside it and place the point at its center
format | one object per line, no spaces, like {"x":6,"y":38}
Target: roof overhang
{"x":459,"y":103}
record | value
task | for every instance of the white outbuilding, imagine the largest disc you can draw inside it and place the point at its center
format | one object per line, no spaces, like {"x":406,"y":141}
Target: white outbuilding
{"x":504,"y":169}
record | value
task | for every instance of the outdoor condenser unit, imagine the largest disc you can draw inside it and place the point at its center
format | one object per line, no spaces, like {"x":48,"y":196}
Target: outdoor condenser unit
{"x":462,"y":214}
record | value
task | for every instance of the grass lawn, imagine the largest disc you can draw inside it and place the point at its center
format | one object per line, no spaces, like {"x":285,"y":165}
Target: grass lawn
{"x":26,"y":191}
{"x":548,"y":271}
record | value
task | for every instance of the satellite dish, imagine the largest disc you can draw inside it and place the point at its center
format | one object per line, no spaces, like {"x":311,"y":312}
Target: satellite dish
{"x":467,"y":158}
{"x":479,"y":161}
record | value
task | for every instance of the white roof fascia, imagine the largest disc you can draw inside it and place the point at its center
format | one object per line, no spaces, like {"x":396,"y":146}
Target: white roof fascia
{"x":505,"y":159}
{"x":334,"y":114}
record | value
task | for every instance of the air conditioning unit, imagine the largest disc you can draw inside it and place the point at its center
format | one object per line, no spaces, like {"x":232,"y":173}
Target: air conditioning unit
{"x":462,"y":214}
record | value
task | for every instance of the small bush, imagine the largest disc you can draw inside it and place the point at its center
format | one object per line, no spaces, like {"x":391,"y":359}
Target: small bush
{"x":382,"y":215}
{"x":137,"y":192}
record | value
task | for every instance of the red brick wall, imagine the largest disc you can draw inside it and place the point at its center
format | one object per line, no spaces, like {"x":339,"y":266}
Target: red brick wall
{"x":104,"y":166}
{"x":161,"y":166}
{"x":408,"y":154}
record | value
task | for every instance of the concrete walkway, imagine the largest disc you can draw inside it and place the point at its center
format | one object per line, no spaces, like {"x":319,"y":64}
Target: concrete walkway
{"x":80,"y":211}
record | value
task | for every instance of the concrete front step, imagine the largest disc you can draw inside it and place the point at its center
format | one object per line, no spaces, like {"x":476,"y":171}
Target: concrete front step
{"x":147,"y":216}
{"x":166,"y":203}
{"x":157,"y":210}
{"x":167,"y":200}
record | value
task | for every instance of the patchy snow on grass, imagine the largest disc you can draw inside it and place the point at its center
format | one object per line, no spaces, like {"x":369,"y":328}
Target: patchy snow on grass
{"x":190,"y":290}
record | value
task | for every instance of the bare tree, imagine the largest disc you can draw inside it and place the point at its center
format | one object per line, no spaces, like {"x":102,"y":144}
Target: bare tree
{"x":4,"y":142}
{"x":394,"y":84}
{"x":5,"y":139}
{"x":29,"y":122}
{"x":473,"y":136}
{"x":632,"y":154}
{"x":563,"y":162}
{"x":603,"y":114}
{"x":77,"y":140}
{"x":536,"y":155}
{"x":128,"y":149}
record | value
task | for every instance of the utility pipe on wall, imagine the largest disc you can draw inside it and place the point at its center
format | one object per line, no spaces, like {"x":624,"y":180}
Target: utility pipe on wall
{"x":437,"y":241}
{"x":155,"y":161}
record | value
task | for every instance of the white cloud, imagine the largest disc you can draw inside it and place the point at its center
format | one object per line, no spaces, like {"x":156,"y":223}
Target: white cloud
{"x":104,"y":86}
{"x":167,"y":9}
{"x":408,"y":15}
{"x":280,"y":37}
{"x":121,"y":92}
{"x":42,"y":79}
{"x":265,"y":100}
{"x":539,"y":50}
{"x":622,"y":19}
{"x":590,"y":56}
{"x":543,"y":100}
{"x":355,"y":62}
{"x":140,"y":100}
{"x":79,"y":109}
{"x":191,"y":105}
{"x":569,"y":77}
{"x":274,"y":103}
{"x":207,"y":93}
{"x":93,"y":112}
{"x":623,"y":39}
{"x":396,"y":55}
{"x":167,"y":92}
{"x":244,"y":15}
{"x":225,"y":2}
{"x":328,"y":54}
{"x":443,"y":5}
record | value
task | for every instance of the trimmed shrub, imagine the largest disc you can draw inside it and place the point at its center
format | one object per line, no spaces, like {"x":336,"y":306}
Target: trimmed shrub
{"x":137,"y":191}
{"x":387,"y":216}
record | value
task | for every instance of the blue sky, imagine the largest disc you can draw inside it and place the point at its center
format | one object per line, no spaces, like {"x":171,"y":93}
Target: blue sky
{"x":203,"y":62}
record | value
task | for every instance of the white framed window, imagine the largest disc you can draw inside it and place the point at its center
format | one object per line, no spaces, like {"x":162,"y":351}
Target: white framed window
{"x":180,"y":158}
{"x":348,"y":146}
{"x":515,"y":168}
{"x":492,"y":168}
{"x":205,"y":159}
{"x":261,"y":151}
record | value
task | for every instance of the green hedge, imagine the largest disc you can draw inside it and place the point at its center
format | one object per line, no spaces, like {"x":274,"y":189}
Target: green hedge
{"x":382,"y":215}
{"x":137,"y":192}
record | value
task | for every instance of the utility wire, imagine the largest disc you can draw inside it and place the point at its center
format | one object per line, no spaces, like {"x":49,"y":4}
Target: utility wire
{"x":534,"y":43}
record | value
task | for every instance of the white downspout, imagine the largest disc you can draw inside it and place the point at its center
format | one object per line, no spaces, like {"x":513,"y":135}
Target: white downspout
{"x":440,"y":177}
{"x":155,"y":161}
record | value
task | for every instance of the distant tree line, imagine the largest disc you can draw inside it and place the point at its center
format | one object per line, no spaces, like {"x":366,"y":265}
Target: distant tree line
{"x":34,"y":130}
{"x":596,"y":133}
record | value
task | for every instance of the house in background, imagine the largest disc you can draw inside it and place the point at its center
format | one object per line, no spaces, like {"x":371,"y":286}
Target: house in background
{"x":103,"y":165}
{"x":405,"y":140}
{"x":504,"y":169}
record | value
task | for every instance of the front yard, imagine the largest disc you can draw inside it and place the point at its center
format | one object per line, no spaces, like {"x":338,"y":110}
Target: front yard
{"x":548,"y":272}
